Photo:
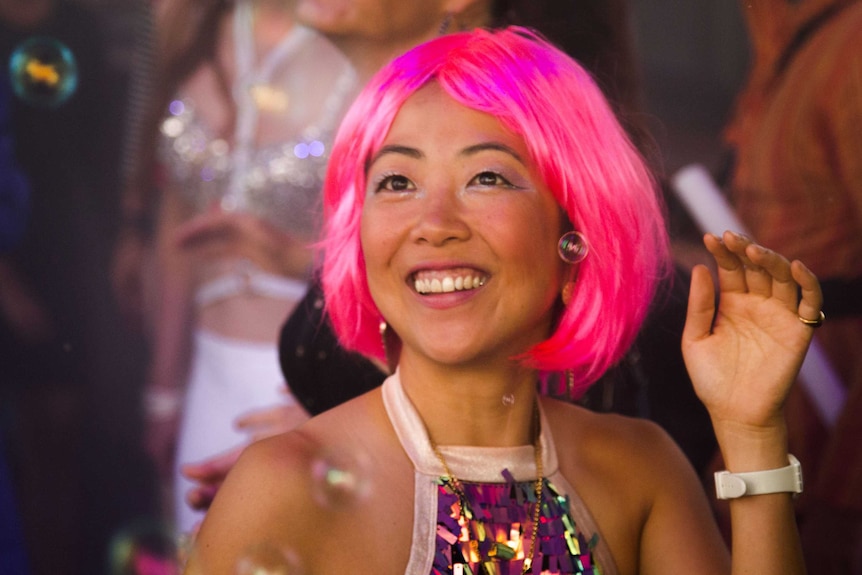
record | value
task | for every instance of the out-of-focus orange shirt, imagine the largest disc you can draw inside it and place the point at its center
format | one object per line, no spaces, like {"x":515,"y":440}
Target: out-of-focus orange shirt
{"x":797,"y":186}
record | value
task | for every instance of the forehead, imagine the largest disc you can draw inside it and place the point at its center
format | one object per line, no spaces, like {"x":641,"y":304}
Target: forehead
{"x":432,"y":114}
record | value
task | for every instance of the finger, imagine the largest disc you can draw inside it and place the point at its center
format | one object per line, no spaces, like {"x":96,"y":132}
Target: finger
{"x":294,"y":419}
{"x":287,"y":413}
{"x":215,"y":467}
{"x":777,"y":267}
{"x":198,"y":471}
{"x":203,"y":227}
{"x":257,"y":418}
{"x":811,"y":303}
{"x":731,"y":272}
{"x":757,"y":280}
{"x":200,"y":498}
{"x":701,"y":305}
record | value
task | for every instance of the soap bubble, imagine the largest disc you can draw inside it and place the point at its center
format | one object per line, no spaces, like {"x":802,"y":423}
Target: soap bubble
{"x":266,"y":559}
{"x":144,"y":547}
{"x":43,"y":72}
{"x":339,"y":480}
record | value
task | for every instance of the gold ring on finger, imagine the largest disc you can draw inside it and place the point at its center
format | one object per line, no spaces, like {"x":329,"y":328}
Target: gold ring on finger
{"x":814,"y":323}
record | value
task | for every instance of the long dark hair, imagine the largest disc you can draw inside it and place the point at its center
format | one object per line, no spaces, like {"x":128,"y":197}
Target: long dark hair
{"x":186,"y":37}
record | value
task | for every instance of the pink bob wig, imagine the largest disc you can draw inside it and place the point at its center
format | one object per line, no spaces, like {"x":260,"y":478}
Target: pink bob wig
{"x":580,"y":150}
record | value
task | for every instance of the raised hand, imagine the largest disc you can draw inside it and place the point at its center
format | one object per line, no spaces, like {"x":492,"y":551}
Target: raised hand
{"x":744,"y":356}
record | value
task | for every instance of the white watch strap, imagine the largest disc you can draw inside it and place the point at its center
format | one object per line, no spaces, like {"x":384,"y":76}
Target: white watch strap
{"x":782,"y":480}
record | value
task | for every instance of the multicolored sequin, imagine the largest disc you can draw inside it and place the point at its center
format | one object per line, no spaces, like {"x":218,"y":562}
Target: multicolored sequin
{"x":492,"y":534}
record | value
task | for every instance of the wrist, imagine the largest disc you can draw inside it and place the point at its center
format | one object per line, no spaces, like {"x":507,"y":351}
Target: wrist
{"x":162,"y":403}
{"x":752,"y":448}
{"x":787,"y":479}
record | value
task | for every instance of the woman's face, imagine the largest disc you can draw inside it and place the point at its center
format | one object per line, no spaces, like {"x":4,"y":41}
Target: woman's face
{"x":459,"y":235}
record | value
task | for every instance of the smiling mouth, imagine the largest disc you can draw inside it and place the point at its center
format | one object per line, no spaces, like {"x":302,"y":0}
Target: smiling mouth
{"x":448,"y":281}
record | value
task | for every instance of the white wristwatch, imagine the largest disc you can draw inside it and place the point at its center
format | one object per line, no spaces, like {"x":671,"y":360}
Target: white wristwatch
{"x":782,"y":480}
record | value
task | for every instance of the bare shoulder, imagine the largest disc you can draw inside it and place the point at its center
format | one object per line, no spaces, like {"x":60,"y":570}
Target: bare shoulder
{"x":286,"y":467}
{"x":644,"y":495}
{"x":607,"y":441}
{"x":263,"y":502}
{"x":285,"y":489}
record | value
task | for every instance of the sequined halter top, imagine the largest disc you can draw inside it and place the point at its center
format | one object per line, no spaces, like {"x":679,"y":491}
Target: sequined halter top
{"x":498,"y":482}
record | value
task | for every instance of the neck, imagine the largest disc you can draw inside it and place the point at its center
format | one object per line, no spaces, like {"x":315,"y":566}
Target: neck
{"x":466,"y":406}
{"x":367,"y":56}
{"x":272,"y":22}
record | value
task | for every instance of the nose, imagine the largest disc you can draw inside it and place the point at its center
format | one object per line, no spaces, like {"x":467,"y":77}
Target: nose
{"x":441,"y":218}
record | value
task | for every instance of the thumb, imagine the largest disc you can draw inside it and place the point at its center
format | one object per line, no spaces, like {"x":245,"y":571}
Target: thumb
{"x":213,"y":468}
{"x":701,"y":305}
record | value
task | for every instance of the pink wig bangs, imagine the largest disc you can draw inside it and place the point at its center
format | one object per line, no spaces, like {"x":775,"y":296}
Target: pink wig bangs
{"x":580,"y":150}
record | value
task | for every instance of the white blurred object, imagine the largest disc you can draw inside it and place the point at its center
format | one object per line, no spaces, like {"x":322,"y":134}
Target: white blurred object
{"x":706,"y":204}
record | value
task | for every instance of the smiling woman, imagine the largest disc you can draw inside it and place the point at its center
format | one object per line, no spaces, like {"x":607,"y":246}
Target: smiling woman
{"x":462,"y":206}
{"x":464,"y":186}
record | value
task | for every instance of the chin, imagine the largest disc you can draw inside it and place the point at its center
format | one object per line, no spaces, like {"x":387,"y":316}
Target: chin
{"x":322,"y":15}
{"x":463,"y":356}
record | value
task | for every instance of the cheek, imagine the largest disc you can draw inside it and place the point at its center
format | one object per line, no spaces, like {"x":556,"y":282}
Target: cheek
{"x":532,"y":245}
{"x":368,"y":239}
{"x":529,"y":233}
{"x":378,"y":239}
{"x":372,"y":251}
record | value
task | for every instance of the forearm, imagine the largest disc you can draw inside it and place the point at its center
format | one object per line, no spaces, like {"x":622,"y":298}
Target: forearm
{"x":765,"y":539}
{"x":171,"y":338}
{"x":764,"y":535}
{"x":172,"y":311}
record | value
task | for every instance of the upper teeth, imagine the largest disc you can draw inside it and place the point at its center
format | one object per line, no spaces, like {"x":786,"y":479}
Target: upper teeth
{"x":448,"y":284}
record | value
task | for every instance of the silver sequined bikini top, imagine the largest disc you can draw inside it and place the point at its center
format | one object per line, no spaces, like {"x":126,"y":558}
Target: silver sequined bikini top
{"x":288,"y":106}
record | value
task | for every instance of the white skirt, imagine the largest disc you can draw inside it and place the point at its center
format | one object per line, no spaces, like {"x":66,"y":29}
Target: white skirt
{"x":227,"y":378}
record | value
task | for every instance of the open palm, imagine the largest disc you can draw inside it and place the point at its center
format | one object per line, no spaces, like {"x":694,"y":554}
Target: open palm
{"x":744,"y":356}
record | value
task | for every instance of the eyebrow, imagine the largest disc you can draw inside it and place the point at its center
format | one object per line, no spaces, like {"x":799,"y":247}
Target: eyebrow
{"x":468,"y":151}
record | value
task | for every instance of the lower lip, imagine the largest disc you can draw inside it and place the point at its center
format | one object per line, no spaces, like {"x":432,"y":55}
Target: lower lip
{"x":446,"y":300}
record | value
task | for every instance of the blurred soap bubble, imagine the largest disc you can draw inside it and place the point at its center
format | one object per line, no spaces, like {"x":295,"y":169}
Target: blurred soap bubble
{"x":145,"y":547}
{"x":340,"y":480}
{"x":267,"y":559}
{"x":43,"y":72}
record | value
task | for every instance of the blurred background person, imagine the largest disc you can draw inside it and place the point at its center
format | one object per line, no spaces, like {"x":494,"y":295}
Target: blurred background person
{"x":796,"y":182}
{"x":229,"y":177}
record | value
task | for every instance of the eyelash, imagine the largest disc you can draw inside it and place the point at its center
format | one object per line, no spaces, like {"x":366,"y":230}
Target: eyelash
{"x":384,"y":181}
{"x":500,"y":180}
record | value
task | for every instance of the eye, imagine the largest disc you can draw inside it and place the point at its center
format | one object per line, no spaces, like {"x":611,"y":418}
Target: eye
{"x":489,"y":178}
{"x":394,"y":183}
